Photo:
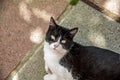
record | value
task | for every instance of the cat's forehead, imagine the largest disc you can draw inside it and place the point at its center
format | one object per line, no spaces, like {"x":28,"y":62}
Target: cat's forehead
{"x":58,"y":31}
{"x":61,"y":30}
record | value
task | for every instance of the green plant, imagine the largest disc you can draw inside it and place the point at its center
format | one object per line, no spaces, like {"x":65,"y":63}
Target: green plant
{"x":73,"y":2}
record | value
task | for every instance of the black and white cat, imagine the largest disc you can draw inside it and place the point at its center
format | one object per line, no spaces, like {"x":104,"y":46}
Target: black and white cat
{"x":68,"y":60}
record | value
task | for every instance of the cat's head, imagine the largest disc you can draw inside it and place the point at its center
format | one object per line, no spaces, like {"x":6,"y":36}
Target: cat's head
{"x":60,"y":38}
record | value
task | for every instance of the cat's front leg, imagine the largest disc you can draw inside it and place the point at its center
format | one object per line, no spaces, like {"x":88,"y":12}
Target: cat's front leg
{"x":47,"y":69}
{"x":50,"y":77}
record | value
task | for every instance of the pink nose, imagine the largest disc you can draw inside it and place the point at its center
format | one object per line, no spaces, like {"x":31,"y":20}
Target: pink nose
{"x":56,"y":45}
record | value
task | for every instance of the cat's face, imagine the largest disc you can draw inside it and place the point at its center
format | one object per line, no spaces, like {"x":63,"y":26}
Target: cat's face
{"x":59,"y":38}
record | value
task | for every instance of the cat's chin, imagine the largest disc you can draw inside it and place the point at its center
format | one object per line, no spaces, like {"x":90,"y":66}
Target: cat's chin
{"x":55,"y":49}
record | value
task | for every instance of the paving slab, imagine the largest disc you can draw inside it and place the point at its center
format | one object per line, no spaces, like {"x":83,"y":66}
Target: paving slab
{"x":31,"y":67}
{"x":22,"y":23}
{"x":109,"y":7}
{"x":112,"y":5}
{"x":95,"y":28}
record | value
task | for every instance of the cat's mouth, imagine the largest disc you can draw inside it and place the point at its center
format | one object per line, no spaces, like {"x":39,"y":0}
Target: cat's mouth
{"x":54,"y":48}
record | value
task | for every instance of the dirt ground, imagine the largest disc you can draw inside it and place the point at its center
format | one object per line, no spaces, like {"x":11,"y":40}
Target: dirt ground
{"x":22,"y":23}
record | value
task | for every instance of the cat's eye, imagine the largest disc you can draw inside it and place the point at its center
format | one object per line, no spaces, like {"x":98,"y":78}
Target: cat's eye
{"x":52,"y":37}
{"x":63,"y":41}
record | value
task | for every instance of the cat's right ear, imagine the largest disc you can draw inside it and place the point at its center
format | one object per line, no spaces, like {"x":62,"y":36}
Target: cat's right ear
{"x":52,"y":24}
{"x":72,"y":32}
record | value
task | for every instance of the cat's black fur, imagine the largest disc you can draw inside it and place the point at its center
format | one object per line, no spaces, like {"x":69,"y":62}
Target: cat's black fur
{"x":92,"y":63}
{"x":87,"y":62}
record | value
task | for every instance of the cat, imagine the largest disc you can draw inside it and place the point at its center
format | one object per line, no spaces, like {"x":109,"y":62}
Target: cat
{"x":68,"y":60}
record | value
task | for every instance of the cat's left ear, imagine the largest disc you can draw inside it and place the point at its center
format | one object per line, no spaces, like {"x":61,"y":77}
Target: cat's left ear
{"x":73,"y":31}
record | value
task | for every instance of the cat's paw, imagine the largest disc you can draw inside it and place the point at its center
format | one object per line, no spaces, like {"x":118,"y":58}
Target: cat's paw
{"x":50,"y":77}
{"x":47,"y":77}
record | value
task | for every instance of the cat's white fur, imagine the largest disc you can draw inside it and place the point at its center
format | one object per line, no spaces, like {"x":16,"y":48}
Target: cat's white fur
{"x":52,"y":57}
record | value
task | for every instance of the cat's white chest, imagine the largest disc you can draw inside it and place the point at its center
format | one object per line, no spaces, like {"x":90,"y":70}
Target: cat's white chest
{"x":52,"y":61}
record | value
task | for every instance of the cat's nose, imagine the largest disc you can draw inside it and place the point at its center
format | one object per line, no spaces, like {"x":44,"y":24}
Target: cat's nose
{"x":56,"y":45}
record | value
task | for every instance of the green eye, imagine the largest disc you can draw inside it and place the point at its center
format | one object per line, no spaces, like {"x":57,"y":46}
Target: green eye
{"x":63,"y":41}
{"x":52,"y":37}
